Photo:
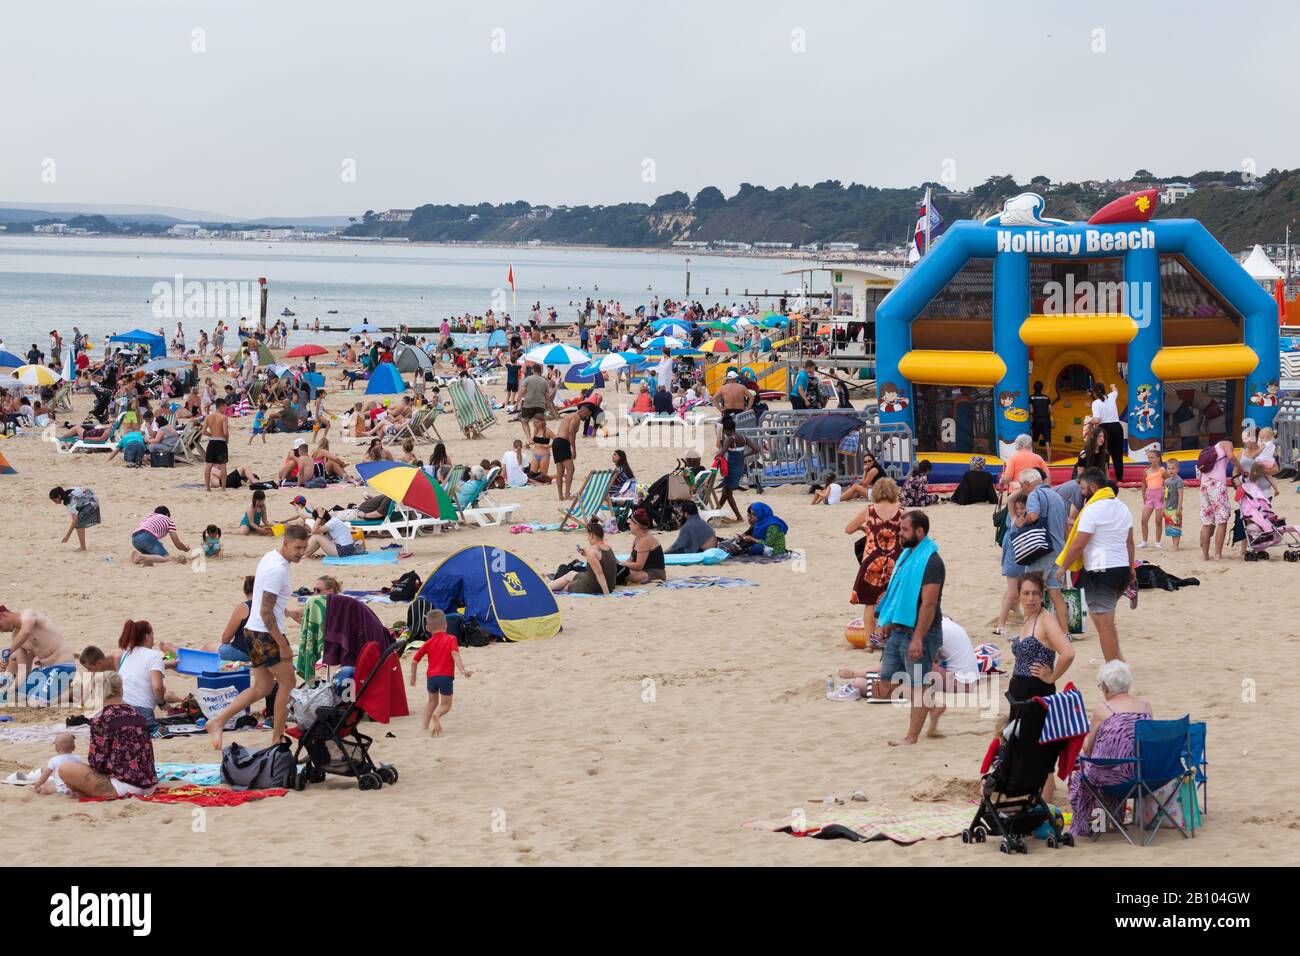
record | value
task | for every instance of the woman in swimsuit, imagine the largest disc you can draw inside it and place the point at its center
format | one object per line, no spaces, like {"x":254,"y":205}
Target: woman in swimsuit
{"x":646,"y":562}
{"x":1043,"y":654}
{"x":870,"y":474}
{"x":602,"y":566}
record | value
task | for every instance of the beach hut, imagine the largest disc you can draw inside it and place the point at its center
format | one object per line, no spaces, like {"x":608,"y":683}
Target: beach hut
{"x":385,"y":380}
{"x":157,"y":344}
{"x":498,"y":588}
{"x":5,"y":467}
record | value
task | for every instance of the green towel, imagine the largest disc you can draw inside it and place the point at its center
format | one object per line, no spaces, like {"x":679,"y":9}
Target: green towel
{"x":311,"y":637}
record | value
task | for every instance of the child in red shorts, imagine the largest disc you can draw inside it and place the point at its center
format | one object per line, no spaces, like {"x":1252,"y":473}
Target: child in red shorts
{"x":443,"y":653}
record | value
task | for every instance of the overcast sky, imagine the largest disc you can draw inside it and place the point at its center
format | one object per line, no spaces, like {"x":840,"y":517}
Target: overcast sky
{"x":714,"y":92}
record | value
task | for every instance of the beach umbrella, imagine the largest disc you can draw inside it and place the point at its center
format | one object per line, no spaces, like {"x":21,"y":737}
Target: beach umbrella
{"x":827,"y":428}
{"x":558,"y":354}
{"x":364,"y":327}
{"x":675,"y":329}
{"x":720,"y":325}
{"x":686,"y":351}
{"x":35,"y":375}
{"x":412,"y":359}
{"x":608,"y":363}
{"x":579,"y":378}
{"x":772,"y":320}
{"x":719,"y":347}
{"x":306,"y":351}
{"x":9,"y":360}
{"x":409,"y":486}
{"x":161,"y":365}
{"x":68,"y":373}
{"x":663,"y":342}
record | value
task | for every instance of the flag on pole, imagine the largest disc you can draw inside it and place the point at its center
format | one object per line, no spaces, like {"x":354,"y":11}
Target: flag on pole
{"x":928,"y":225}
{"x":510,"y":277}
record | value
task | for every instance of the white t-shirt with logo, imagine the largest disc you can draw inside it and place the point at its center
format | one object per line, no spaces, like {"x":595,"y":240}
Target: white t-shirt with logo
{"x":272,"y":577}
{"x":1109,"y":522}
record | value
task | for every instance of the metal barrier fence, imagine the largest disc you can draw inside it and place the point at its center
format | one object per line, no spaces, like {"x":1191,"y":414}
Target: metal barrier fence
{"x":783,"y":459}
{"x":1287,"y":426}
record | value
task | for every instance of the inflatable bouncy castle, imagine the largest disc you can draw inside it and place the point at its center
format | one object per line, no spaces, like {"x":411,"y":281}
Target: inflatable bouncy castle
{"x":1018,"y":302}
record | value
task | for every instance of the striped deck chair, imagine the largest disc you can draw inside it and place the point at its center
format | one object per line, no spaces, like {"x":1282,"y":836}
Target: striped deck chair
{"x":487,"y":416}
{"x":468,"y":413}
{"x":424,"y":425}
{"x":191,"y":448}
{"x":590,"y":500}
{"x":62,"y":400}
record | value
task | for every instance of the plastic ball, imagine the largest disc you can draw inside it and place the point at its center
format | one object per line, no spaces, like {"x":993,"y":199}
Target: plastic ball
{"x":856,"y":634}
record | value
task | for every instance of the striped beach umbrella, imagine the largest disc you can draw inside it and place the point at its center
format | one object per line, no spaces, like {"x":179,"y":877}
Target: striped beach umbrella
{"x":663,"y":342}
{"x":9,"y":360}
{"x":719,"y":347}
{"x":674,"y":329}
{"x":557,"y":354}
{"x":409,"y":486}
{"x":36,"y":375}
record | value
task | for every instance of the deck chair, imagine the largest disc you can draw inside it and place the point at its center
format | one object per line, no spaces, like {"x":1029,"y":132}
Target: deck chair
{"x":590,"y":500}
{"x":453,"y":480}
{"x":190,"y":448}
{"x":484,"y":508}
{"x":69,"y":445}
{"x":402,"y":524}
{"x":483,"y":403}
{"x":62,"y":398}
{"x":1159,"y":749}
{"x":424,"y":423}
{"x":704,"y":495}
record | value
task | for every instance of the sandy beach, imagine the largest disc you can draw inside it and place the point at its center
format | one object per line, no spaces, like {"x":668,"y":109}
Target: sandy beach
{"x":653,"y":727}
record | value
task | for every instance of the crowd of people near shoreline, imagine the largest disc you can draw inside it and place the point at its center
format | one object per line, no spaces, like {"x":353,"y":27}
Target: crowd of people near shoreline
{"x":1052,"y":538}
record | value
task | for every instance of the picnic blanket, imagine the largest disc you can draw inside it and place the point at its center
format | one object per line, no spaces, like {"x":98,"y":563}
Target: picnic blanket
{"x":198,"y":796}
{"x":369,"y":557}
{"x":365,"y":597}
{"x":202,"y":774}
{"x":902,"y":823}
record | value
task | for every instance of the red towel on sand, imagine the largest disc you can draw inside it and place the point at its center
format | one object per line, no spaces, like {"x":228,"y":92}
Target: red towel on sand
{"x":385,"y":697}
{"x":200,"y":796}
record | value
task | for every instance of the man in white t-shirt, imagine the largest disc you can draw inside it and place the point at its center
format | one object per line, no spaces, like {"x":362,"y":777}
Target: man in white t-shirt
{"x":334,"y":537}
{"x":268,"y":648}
{"x":1103,"y":538}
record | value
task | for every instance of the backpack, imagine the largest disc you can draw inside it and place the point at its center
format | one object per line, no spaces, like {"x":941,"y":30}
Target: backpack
{"x":405,"y":588}
{"x":258,"y":769}
{"x":472,"y":633}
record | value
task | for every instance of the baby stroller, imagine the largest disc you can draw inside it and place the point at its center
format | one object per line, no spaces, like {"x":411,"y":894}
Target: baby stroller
{"x":1011,"y":802}
{"x":333,"y":744}
{"x":1264,"y":529}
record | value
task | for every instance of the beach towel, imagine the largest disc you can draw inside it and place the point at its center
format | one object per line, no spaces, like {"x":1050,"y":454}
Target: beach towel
{"x":200,"y":774}
{"x":369,"y":557}
{"x":198,"y":796}
{"x":618,"y":592}
{"x":706,"y":581}
{"x":349,"y":627}
{"x":903,"y":824}
{"x":712,"y":556}
{"x":311,"y":637}
{"x":1077,"y":563}
{"x":40,"y":733}
{"x":898,"y":605}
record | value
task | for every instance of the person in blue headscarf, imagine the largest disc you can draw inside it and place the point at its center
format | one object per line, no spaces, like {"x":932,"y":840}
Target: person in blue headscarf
{"x":766,"y":534}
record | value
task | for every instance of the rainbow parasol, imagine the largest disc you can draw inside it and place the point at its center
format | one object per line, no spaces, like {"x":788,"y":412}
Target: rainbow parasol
{"x":409,"y":486}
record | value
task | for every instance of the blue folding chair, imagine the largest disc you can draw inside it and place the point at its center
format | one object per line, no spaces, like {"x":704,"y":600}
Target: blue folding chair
{"x":1198,"y":763}
{"x":1160,"y":748}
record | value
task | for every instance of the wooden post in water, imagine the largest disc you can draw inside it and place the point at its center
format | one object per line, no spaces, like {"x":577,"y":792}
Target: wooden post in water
{"x":261,"y":322}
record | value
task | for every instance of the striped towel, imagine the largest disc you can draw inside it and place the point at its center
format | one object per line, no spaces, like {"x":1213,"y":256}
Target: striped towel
{"x":1067,"y":715}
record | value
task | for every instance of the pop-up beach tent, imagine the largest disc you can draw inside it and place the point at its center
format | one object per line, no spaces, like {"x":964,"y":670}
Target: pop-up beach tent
{"x":5,"y":467}
{"x":385,"y":380}
{"x":497,"y":587}
{"x":157,"y":344}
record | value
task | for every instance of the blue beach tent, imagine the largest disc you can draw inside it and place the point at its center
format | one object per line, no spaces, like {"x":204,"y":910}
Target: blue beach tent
{"x":157,"y":344}
{"x":497,"y":587}
{"x":385,"y":380}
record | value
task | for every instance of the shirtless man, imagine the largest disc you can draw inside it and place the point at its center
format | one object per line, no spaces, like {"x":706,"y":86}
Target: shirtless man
{"x":216,"y":429}
{"x":564,"y":448}
{"x":37,"y":644}
{"x":732,"y":397}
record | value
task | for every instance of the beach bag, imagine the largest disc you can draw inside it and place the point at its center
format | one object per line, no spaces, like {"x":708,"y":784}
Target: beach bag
{"x":472,"y":633}
{"x":162,"y":458}
{"x":678,"y":489}
{"x":988,"y":657}
{"x":999,"y":525}
{"x":1206,"y":459}
{"x":1030,"y":544}
{"x":272,"y":767}
{"x":1073,"y":609}
{"x":305,"y":701}
{"x":1067,"y":716}
{"x":405,"y":588}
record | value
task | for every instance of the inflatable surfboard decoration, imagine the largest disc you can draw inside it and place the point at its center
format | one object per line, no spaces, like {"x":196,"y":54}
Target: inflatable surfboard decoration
{"x":1135,"y":207}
